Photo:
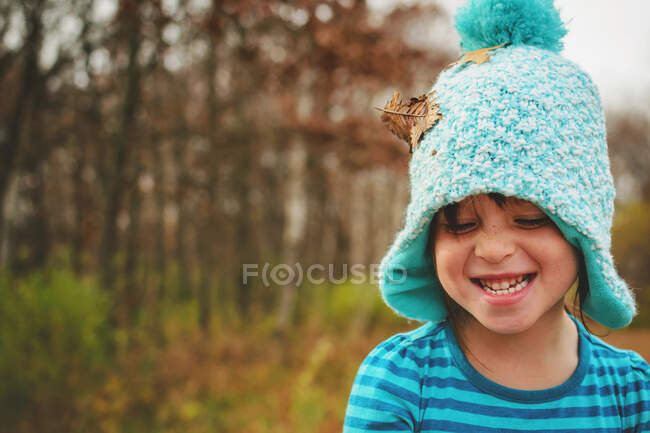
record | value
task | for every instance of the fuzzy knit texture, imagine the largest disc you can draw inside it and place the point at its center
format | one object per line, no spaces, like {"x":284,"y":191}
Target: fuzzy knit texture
{"x":527,"y":123}
{"x":487,"y":23}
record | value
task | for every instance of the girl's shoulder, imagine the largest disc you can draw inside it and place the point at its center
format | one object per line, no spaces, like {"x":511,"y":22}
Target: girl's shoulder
{"x":627,"y":372}
{"x":387,"y":389}
{"x":405,"y":354}
{"x":605,"y":352}
{"x":630,"y":369}
{"x":425,"y":338}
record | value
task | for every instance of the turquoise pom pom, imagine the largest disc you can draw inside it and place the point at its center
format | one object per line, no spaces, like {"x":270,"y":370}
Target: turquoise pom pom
{"x":487,"y":23}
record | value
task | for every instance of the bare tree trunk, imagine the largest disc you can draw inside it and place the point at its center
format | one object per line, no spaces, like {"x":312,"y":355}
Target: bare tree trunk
{"x":365,"y":220}
{"x":205,"y":300}
{"x":183,"y":283}
{"x":90,"y":117}
{"x":7,"y":57}
{"x":9,"y":210}
{"x":295,"y":209}
{"x":210,"y":220}
{"x":158,"y":291}
{"x":268,"y":218}
{"x":205,"y":246}
{"x":159,"y":193}
{"x":319,"y":239}
{"x":79,"y":206}
{"x":122,"y":146}
{"x":401,"y":197}
{"x":359,"y":217}
{"x":381,"y":214}
{"x":244,"y":248}
{"x":329,"y":229}
{"x":340,"y":184}
{"x":33,"y":234}
{"x":11,"y":142}
{"x":132,"y":290}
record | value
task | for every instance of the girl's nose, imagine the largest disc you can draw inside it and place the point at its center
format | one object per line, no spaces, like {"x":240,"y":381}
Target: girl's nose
{"x":493,"y":247}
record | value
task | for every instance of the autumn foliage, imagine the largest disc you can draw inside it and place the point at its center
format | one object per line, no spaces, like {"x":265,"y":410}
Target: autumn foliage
{"x":150,"y":148}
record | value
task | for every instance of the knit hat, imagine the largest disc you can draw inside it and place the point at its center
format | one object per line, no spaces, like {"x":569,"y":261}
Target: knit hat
{"x":521,"y":120}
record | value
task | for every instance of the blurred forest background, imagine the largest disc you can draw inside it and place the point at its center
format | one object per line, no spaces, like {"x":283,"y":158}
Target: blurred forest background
{"x":150,"y":148}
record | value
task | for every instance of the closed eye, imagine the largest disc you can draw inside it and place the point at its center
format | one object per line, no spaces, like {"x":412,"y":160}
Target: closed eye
{"x":537,"y":222}
{"x":528,"y":223}
{"x":458,"y":228}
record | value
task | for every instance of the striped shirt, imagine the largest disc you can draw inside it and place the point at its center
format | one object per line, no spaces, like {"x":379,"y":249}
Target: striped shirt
{"x":421,"y":381}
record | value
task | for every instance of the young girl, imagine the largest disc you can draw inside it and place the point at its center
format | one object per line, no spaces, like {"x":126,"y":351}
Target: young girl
{"x":511,"y":207}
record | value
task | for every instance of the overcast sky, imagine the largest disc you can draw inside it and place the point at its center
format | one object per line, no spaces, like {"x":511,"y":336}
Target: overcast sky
{"x":611,"y":41}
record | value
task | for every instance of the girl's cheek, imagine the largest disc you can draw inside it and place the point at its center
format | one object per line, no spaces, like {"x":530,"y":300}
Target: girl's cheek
{"x":447,"y":263}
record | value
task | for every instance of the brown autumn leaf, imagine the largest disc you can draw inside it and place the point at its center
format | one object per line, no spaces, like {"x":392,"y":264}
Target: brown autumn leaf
{"x":409,"y":120}
{"x":422,"y":124}
{"x":479,"y":56}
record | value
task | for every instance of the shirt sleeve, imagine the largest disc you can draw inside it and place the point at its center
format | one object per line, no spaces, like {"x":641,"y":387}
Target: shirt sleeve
{"x":636,"y":417}
{"x":386,"y":392}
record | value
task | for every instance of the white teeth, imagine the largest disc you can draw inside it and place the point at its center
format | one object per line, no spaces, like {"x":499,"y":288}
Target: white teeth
{"x":506,"y":287}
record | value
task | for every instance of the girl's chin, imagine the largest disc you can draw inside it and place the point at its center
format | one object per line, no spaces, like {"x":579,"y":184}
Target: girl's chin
{"x":506,"y":326}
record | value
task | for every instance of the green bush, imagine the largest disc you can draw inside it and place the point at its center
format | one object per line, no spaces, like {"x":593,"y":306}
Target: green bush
{"x":53,"y":341}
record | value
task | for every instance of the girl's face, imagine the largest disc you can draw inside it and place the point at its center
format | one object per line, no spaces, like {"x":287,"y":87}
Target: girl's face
{"x":507,"y":267}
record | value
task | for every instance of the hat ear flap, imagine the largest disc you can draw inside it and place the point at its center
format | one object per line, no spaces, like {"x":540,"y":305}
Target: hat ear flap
{"x":609,"y":301}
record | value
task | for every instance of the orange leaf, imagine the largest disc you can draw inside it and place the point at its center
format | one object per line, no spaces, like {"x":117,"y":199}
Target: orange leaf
{"x":479,"y":56}
{"x":410,"y":120}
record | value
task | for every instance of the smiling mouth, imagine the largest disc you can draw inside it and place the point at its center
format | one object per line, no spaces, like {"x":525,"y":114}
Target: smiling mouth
{"x":504,"y":287}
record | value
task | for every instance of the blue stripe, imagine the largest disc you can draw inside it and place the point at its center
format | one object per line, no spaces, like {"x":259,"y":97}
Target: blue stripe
{"x":523,"y":413}
{"x":390,"y":345}
{"x":462,"y":384}
{"x":609,"y":371}
{"x":448,"y":382}
{"x":379,"y":405}
{"x":599,"y":344}
{"x":608,"y":354}
{"x":390,"y":388}
{"x":603,"y":391}
{"x":403,"y":372}
{"x":452,"y":382}
{"x":452,"y":426}
{"x":369,"y":425}
{"x":421,"y":336}
{"x":638,"y":385}
{"x":419,"y":361}
{"x":641,"y":406}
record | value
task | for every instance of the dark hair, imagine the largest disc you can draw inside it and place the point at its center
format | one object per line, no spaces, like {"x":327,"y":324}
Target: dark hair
{"x":458,"y":315}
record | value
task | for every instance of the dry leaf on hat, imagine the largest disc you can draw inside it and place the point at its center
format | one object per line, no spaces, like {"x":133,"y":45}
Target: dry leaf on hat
{"x":479,"y":56}
{"x":409,"y":120}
